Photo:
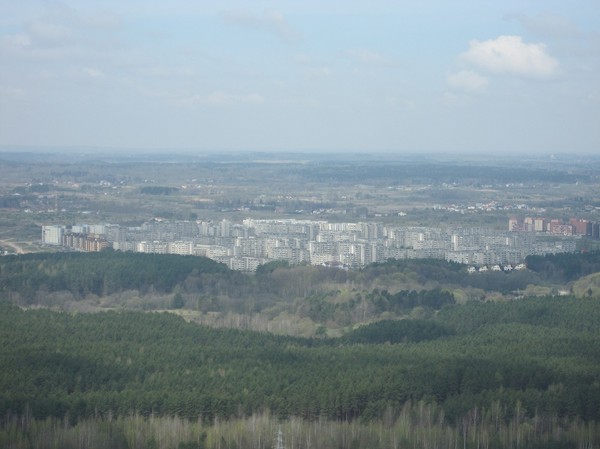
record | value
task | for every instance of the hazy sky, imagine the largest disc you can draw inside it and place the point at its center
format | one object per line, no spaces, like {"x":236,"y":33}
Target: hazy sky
{"x":406,"y":76}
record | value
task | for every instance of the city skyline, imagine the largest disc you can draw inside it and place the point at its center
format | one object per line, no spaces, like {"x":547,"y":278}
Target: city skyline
{"x":248,"y":244}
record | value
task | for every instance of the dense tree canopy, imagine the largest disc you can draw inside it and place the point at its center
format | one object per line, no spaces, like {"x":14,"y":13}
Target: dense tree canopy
{"x":467,"y":356}
{"x":103,"y":273}
{"x":565,"y":267}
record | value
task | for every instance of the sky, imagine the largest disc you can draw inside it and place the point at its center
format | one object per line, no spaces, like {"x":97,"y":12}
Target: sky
{"x":467,"y":76}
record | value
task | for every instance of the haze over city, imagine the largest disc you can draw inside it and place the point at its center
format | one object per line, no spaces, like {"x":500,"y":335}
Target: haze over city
{"x":503,"y":77}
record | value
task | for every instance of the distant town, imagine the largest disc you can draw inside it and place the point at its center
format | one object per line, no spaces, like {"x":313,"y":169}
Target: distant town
{"x":246,"y":245}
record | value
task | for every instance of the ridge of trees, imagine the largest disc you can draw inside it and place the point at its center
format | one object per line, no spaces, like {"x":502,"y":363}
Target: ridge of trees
{"x":104,"y":273}
{"x":319,"y":300}
{"x":109,"y":272}
{"x":565,"y":267}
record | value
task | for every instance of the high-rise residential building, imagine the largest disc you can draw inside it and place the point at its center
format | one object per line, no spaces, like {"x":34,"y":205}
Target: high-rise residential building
{"x":183,"y":248}
{"x":539,"y":224}
{"x":225,"y":228}
{"x":98,"y":229}
{"x":79,"y":229}
{"x":52,"y":235}
{"x":581,"y":227}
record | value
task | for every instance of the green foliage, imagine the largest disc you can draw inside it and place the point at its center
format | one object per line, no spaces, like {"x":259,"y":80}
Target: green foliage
{"x":104,"y":273}
{"x":424,"y":269}
{"x":269,"y":267}
{"x":323,"y":293}
{"x":542,"y":353}
{"x":406,"y":300}
{"x":554,"y":312}
{"x":451,"y":273}
{"x":565,"y":267}
{"x":178,"y":302}
{"x":401,"y":331}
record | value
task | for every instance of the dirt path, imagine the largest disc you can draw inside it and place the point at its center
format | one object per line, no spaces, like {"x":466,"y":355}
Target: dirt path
{"x":14,"y":246}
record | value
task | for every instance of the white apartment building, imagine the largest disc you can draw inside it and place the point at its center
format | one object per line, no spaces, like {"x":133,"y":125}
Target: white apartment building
{"x":79,"y":229}
{"x":152,"y":247}
{"x":52,"y":235}
{"x":181,"y":248}
{"x":98,"y":229}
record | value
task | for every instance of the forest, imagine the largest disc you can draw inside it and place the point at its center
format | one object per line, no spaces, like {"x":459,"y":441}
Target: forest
{"x":405,"y":367}
{"x":536,"y":360}
{"x":299,"y":300}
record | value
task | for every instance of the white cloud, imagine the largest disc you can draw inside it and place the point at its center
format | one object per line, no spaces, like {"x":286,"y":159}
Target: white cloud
{"x":92,"y":72}
{"x":450,"y":98}
{"x":228,"y":99}
{"x":509,"y":55}
{"x":12,"y":92}
{"x":75,"y":73}
{"x":62,"y":33}
{"x":164,"y":71}
{"x":44,"y":32}
{"x":270,"y":21}
{"x":303,"y":59}
{"x":59,"y":12}
{"x":468,"y":81}
{"x":366,"y":56}
{"x":318,"y":72}
{"x":548,"y":25}
{"x":15,"y":42}
{"x":312,"y":69}
{"x":400,"y":103}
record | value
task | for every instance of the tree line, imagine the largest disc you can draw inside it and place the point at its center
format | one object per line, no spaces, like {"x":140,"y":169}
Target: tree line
{"x":110,"y":271}
{"x":326,"y":298}
{"x":104,"y":273}
{"x":418,"y":425}
{"x":565,"y":267}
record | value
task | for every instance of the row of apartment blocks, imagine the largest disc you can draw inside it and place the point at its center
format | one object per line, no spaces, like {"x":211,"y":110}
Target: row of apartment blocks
{"x":574,"y":226}
{"x":244,"y":246}
{"x":73,"y":238}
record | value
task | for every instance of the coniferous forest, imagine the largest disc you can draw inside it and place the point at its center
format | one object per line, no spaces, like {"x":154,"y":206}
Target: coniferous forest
{"x":404,"y":368}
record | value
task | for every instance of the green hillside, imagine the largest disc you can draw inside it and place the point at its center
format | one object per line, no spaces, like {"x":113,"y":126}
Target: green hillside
{"x":542,"y":352}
